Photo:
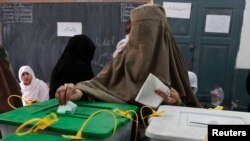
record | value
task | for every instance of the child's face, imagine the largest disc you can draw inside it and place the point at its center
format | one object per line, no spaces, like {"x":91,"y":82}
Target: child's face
{"x":26,"y":78}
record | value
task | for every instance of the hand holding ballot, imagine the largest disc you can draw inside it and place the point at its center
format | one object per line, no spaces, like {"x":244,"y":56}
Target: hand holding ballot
{"x":154,"y":92}
{"x":170,"y":99}
{"x":68,"y":108}
{"x":67,"y":92}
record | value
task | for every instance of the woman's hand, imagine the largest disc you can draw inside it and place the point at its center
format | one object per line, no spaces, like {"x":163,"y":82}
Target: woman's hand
{"x":170,"y":99}
{"x":67,"y":92}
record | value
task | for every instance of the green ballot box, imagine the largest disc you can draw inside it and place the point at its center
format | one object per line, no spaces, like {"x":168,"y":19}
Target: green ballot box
{"x":32,"y":136}
{"x":101,"y":126}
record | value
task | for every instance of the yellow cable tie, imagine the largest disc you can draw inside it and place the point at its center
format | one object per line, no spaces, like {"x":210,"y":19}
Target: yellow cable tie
{"x":154,"y":114}
{"x":18,"y":133}
{"x":123,"y":114}
{"x":219,"y":107}
{"x":78,"y":135}
{"x":216,"y":108}
{"x":45,"y":122}
{"x":40,"y":125}
{"x":206,"y":138}
{"x":27,"y":101}
{"x":136,"y":121}
{"x":8,"y":100}
{"x":128,"y":116}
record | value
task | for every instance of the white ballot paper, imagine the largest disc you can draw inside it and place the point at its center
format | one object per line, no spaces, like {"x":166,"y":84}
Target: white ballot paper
{"x":147,"y":95}
{"x":68,"y":108}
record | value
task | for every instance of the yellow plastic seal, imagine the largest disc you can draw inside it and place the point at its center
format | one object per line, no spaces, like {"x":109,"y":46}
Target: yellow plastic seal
{"x":40,"y":125}
{"x":78,"y":135}
{"x":216,"y":108}
{"x":127,"y":115}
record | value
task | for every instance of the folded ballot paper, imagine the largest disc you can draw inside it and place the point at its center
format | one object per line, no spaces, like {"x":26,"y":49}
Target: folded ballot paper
{"x":68,"y":108}
{"x":147,"y":95}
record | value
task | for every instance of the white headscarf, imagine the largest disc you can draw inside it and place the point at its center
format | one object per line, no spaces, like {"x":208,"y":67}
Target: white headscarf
{"x":193,"y":81}
{"x":120,"y":45}
{"x":37,"y":90}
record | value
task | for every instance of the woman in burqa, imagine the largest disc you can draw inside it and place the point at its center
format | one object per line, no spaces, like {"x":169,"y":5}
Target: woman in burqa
{"x":248,"y":88}
{"x":8,"y":84}
{"x":248,"y":83}
{"x":75,"y":63}
{"x":151,"y":49}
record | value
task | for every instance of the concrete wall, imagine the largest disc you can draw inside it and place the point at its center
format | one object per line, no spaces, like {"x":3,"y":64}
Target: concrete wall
{"x":239,"y":94}
{"x":243,"y":58}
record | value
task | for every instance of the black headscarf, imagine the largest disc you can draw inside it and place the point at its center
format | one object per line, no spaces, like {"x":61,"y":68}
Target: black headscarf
{"x":75,"y":63}
{"x":248,"y":83}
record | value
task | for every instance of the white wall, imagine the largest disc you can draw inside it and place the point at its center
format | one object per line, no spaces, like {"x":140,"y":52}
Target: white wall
{"x":243,"y":58}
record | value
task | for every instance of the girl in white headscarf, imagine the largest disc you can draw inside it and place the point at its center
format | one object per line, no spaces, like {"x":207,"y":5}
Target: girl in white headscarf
{"x":33,"y":89}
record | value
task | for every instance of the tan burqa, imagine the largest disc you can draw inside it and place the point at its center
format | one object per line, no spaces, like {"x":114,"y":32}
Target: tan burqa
{"x":151,"y":49}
